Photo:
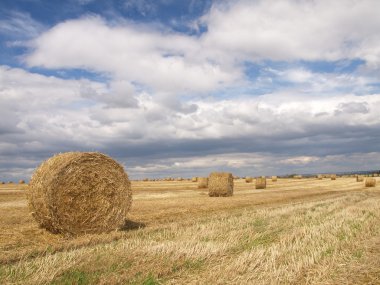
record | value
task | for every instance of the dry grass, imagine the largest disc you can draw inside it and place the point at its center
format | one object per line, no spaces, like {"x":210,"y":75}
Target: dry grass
{"x":295,"y":232}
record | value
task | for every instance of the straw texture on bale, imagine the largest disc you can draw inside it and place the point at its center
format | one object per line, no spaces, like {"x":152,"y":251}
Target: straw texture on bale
{"x":80,"y":192}
{"x":248,"y":179}
{"x":333,"y":176}
{"x":261,"y":183}
{"x":220,"y":184}
{"x":194,"y":179}
{"x":202,"y":182}
{"x":274,"y":178}
{"x":370,"y":182}
{"x":359,"y":178}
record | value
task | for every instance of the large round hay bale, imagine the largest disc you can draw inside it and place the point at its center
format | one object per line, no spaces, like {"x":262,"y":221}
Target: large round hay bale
{"x":248,"y":179}
{"x":80,"y":192}
{"x":274,"y":178}
{"x":370,"y":182}
{"x":220,"y":184}
{"x":261,"y":183}
{"x":202,"y":182}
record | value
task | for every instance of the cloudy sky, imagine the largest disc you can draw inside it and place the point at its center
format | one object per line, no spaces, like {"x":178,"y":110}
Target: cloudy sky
{"x":184,"y":87}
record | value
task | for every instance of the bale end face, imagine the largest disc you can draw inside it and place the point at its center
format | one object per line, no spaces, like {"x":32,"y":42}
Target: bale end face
{"x":370,"y":182}
{"x":220,"y":184}
{"x":80,"y":192}
{"x":261,"y":183}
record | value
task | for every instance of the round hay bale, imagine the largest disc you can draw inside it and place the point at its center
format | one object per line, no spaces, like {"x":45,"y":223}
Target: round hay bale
{"x":202,"y":182}
{"x":261,"y":183}
{"x":333,"y":176}
{"x":194,"y":179}
{"x":248,"y":179}
{"x":319,"y":176}
{"x":10,"y":182}
{"x":274,"y":178}
{"x":370,"y":182}
{"x":359,"y":178}
{"x":80,"y":192}
{"x":220,"y":184}
{"x":21,"y":182}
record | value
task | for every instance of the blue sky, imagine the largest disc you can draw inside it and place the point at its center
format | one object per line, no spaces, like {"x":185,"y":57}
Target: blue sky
{"x":187,"y":87}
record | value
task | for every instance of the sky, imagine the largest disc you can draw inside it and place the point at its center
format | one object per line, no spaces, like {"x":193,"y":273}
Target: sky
{"x":183,"y":88}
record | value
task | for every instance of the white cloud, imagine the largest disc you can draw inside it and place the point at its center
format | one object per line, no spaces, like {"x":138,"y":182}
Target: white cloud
{"x":20,"y":25}
{"x":294,"y":30}
{"x":164,"y":62}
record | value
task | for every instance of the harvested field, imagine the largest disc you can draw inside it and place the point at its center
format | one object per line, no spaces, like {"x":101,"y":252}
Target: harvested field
{"x":176,"y":234}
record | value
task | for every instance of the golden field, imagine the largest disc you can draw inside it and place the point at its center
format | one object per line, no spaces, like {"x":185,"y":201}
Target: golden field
{"x":296,"y":231}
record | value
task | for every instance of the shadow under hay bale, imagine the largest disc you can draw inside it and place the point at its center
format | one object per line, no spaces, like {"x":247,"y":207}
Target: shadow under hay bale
{"x":202,"y":182}
{"x":80,"y":192}
{"x":131,"y":225}
{"x":261,"y":183}
{"x":220,"y":184}
{"x":370,"y":182}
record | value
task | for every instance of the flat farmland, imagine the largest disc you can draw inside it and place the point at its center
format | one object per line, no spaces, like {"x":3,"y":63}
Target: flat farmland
{"x":296,"y":231}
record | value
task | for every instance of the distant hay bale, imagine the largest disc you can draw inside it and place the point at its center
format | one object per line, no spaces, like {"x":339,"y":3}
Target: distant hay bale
{"x":220,"y":184}
{"x":376,"y":175}
{"x":145,"y":179}
{"x":319,"y":176}
{"x":2,"y":182}
{"x":248,"y":179}
{"x":297,"y":176}
{"x":359,"y":178}
{"x":202,"y":182}
{"x":10,"y":182}
{"x":370,"y":182}
{"x":194,"y":179}
{"x":179,"y":179}
{"x":261,"y":183}
{"x":80,"y":192}
{"x":333,"y":176}
{"x":236,"y":177}
{"x":21,"y":182}
{"x":274,"y":178}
